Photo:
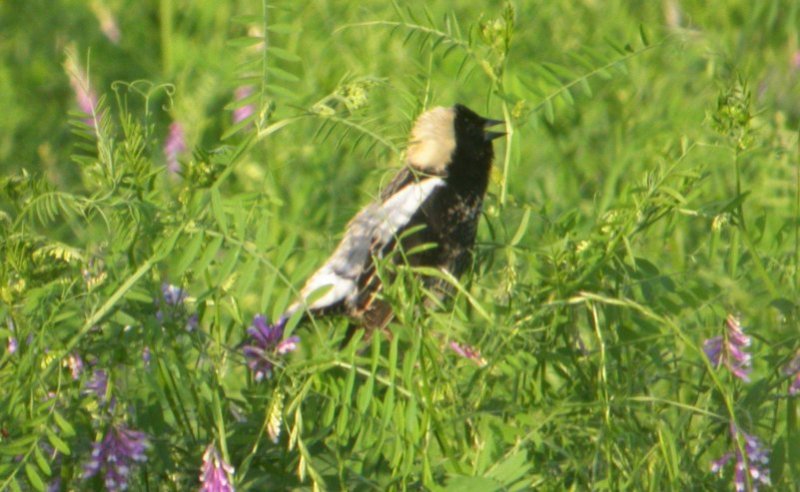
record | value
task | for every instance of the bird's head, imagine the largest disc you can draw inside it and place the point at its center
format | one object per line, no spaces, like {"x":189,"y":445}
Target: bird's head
{"x":440,"y":133}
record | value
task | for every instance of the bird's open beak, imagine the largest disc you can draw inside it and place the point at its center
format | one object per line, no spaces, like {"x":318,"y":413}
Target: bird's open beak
{"x":489,"y":135}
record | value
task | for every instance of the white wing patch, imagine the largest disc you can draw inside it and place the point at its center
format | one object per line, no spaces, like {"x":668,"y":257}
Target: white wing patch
{"x":398,"y":209}
{"x":375,"y":225}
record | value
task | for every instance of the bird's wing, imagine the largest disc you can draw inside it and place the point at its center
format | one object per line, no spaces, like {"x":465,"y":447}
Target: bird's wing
{"x":403,"y":178}
{"x":337,"y":281}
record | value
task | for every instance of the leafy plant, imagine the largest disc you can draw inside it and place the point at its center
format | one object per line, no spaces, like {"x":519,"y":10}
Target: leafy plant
{"x":645,"y":191}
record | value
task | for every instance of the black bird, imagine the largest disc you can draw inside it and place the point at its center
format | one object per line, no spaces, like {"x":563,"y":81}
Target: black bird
{"x":441,"y":188}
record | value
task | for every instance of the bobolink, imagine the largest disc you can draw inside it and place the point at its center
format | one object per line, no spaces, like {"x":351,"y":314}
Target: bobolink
{"x":434,"y":200}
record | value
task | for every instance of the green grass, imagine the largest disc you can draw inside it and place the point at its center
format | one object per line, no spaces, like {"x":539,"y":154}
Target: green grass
{"x":647,"y":188}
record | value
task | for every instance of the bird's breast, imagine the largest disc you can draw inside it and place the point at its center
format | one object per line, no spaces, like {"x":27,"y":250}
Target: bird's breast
{"x":452,"y":216}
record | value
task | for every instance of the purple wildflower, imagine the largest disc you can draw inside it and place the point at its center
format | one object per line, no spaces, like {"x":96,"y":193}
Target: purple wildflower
{"x":171,"y":307}
{"x":75,"y":364}
{"x":85,"y":96}
{"x":794,"y":388}
{"x":267,"y":344}
{"x":793,"y":369}
{"x":243,"y":112}
{"x":754,"y":462}
{"x":174,"y":146}
{"x":468,"y":352}
{"x":216,"y":474}
{"x":146,"y":355}
{"x":115,"y":455}
{"x":288,"y":345}
{"x":54,"y":485}
{"x":107,"y":22}
{"x":81,"y":86}
{"x":172,"y":295}
{"x":97,"y":384}
{"x":720,"y":463}
{"x":729,"y":349}
{"x":192,"y":323}
{"x":13,"y":345}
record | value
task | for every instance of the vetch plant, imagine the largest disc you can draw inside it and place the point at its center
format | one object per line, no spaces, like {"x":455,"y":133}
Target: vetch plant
{"x":12,"y":345}
{"x":75,"y":364}
{"x":751,"y":464}
{"x":245,"y":111}
{"x":216,"y":475}
{"x":171,"y":307}
{"x":116,"y":455}
{"x":85,"y":95}
{"x":792,"y":370}
{"x":641,"y":188}
{"x":729,"y":349}
{"x":267,"y":344}
{"x":469,"y":353}
{"x":97,"y":385}
{"x":172,"y":295}
{"x":174,"y":146}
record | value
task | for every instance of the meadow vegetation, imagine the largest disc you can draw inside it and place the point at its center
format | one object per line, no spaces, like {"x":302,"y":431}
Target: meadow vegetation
{"x":172,"y":169}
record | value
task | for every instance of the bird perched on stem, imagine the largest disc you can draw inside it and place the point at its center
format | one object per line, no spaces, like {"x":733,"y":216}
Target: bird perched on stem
{"x":435,"y":200}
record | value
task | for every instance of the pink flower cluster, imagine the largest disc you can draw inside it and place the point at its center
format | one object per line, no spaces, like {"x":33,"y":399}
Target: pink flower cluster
{"x":729,"y":348}
{"x":754,"y":462}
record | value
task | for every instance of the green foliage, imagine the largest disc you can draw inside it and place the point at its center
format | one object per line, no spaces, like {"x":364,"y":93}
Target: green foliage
{"x":647,"y":187}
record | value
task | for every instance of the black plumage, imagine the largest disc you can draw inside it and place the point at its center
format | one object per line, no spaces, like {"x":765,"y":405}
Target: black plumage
{"x":435,"y":200}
